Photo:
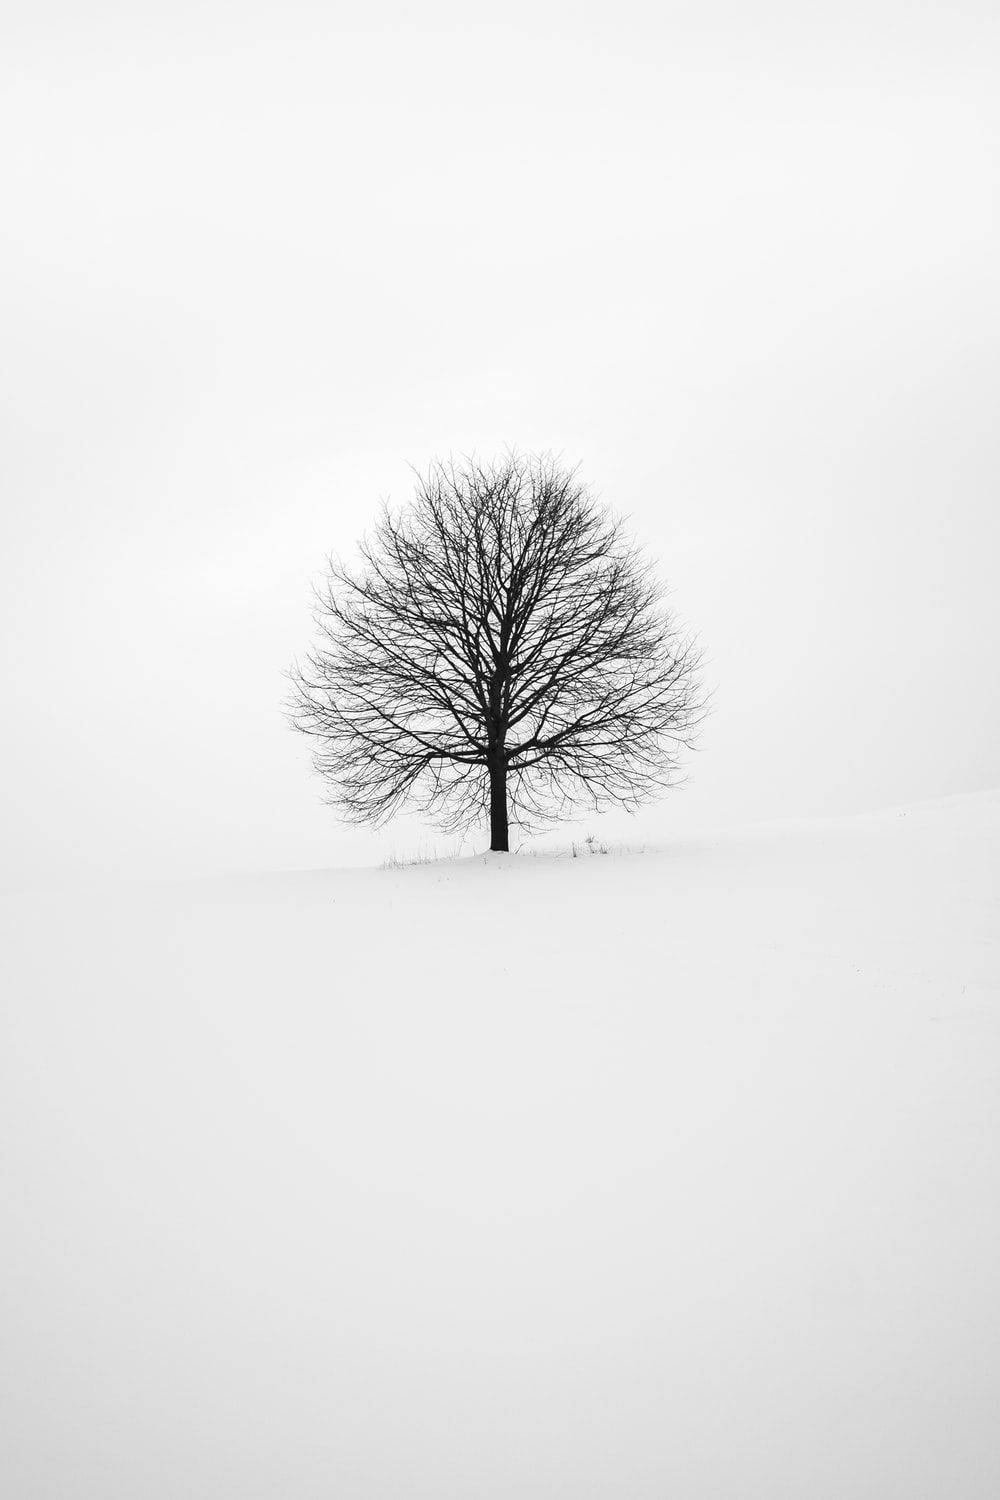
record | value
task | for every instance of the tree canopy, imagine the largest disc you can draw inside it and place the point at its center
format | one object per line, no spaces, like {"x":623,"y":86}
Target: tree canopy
{"x":503,"y":651}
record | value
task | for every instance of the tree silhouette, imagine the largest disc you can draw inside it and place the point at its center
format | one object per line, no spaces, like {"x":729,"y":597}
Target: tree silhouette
{"x":503,"y":646}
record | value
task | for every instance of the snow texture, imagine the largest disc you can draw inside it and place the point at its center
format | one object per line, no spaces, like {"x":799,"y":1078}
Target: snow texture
{"x":616,"y":1177}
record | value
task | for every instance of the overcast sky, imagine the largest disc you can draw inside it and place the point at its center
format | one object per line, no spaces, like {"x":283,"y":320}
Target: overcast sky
{"x":739,"y":261}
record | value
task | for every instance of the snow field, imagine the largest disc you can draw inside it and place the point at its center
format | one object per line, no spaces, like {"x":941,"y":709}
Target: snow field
{"x":621,"y":1177}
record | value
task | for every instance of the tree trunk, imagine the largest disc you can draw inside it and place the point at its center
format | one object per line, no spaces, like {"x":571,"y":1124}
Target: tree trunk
{"x":498,"y":804}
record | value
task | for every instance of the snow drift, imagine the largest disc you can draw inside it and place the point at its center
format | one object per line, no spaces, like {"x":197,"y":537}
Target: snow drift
{"x":625,"y":1176}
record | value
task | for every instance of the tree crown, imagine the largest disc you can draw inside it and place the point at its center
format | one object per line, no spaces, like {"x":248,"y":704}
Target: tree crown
{"x":503,"y":625}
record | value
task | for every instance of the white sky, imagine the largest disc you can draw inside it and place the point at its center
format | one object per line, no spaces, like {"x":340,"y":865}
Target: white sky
{"x":739,"y":261}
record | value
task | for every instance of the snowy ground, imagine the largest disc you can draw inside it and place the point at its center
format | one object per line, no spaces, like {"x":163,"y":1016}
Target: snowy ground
{"x":617,"y":1178}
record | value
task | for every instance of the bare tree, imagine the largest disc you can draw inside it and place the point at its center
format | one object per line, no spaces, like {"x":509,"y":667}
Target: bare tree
{"x":504,"y":645}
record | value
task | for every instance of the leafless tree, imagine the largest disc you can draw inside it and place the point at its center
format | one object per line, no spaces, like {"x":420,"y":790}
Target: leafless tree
{"x":503,"y":646}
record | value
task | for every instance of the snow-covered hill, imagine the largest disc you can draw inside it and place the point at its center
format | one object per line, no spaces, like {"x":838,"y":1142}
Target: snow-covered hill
{"x":605,"y":1178}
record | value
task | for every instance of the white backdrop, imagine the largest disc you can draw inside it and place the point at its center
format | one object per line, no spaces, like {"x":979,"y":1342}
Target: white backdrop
{"x":737,"y":261}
